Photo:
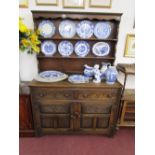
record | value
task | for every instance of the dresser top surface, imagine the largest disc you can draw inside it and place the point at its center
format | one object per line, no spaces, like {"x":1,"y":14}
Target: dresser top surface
{"x":64,"y":84}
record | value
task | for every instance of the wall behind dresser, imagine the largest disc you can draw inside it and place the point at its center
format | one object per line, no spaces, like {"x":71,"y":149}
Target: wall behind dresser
{"x":127,"y":7}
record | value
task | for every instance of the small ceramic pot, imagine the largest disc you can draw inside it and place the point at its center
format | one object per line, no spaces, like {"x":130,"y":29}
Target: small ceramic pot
{"x":88,"y":71}
{"x":111,"y":75}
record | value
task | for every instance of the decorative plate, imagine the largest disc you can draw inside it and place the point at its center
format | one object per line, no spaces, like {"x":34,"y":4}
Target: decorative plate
{"x":46,"y":28}
{"x":101,"y":49}
{"x":51,"y":76}
{"x":48,"y":48}
{"x":78,"y":79}
{"x":65,"y":48}
{"x":67,"y":29}
{"x":82,"y":48}
{"x":102,"y":30}
{"x":85,"y":29}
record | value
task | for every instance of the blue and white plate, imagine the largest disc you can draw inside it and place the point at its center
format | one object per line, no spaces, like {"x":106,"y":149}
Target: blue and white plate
{"x":48,"y":48}
{"x":101,"y":49}
{"x":85,"y":29}
{"x":50,"y":76}
{"x":65,"y":48}
{"x":82,"y":48}
{"x":102,"y":30}
{"x":78,"y":79}
{"x":46,"y":28}
{"x":67,"y":29}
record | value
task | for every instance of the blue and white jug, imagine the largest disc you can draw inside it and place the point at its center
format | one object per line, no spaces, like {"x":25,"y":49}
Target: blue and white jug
{"x":88,"y":71}
{"x":111,"y":75}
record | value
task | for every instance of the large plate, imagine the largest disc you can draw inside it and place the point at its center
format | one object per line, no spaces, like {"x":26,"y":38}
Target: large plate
{"x":50,"y":76}
{"x":101,"y":49}
{"x":48,"y":48}
{"x":65,"y":48}
{"x":46,"y":28}
{"x":78,"y":79}
{"x":67,"y":29}
{"x":102,"y":30}
{"x":85,"y":29}
{"x":82,"y":48}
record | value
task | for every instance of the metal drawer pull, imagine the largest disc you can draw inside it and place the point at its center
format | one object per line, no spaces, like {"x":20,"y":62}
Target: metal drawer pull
{"x":66,"y":95}
{"x":109,"y":96}
{"x":42,"y":94}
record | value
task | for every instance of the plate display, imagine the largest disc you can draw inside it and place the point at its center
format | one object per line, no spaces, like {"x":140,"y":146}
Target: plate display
{"x":50,"y":76}
{"x":78,"y":79}
{"x":65,"y":48}
{"x":101,"y":49}
{"x":46,"y":28}
{"x":67,"y":29}
{"x":82,"y":48}
{"x":85,"y":29}
{"x":102,"y":30}
{"x":48,"y":48}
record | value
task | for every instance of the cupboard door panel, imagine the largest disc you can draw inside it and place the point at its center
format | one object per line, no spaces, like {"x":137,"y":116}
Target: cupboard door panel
{"x":55,"y":107}
{"x":94,"y":121}
{"x":55,"y":121}
{"x":96,"y":107}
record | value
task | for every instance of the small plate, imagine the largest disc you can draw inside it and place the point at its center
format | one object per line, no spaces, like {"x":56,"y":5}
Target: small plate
{"x":46,"y":28}
{"x":78,"y":79}
{"x":102,"y":30}
{"x":67,"y":29}
{"x":65,"y":48}
{"x":101,"y":49}
{"x":51,"y":76}
{"x":85,"y":29}
{"x":82,"y":48}
{"x":48,"y":48}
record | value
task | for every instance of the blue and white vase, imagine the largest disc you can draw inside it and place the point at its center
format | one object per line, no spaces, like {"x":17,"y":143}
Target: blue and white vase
{"x":104,"y":69}
{"x":111,"y":75}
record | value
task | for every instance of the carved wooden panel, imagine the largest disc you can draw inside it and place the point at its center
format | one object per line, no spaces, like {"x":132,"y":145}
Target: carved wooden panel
{"x":56,"y":122}
{"x":55,"y":107}
{"x":96,"y":108}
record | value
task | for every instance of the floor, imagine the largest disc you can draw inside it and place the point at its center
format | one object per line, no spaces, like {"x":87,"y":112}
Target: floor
{"x":123,"y":143}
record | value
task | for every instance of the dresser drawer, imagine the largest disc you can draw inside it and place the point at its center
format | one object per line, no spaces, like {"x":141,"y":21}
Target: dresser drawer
{"x":78,"y":94}
{"x":98,"y":94}
{"x":49,"y":93}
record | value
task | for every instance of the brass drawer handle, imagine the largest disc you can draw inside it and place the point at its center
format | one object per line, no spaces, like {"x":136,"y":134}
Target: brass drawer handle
{"x":42,"y":94}
{"x":66,"y":95}
{"x":85,"y":95}
{"x":109,"y":95}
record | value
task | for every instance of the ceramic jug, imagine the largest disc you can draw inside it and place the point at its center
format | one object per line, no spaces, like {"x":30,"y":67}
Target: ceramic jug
{"x":88,"y":71}
{"x":111,"y":75}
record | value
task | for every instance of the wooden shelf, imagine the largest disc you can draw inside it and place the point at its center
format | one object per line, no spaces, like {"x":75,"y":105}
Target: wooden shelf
{"x":74,"y":57}
{"x":77,"y":38}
